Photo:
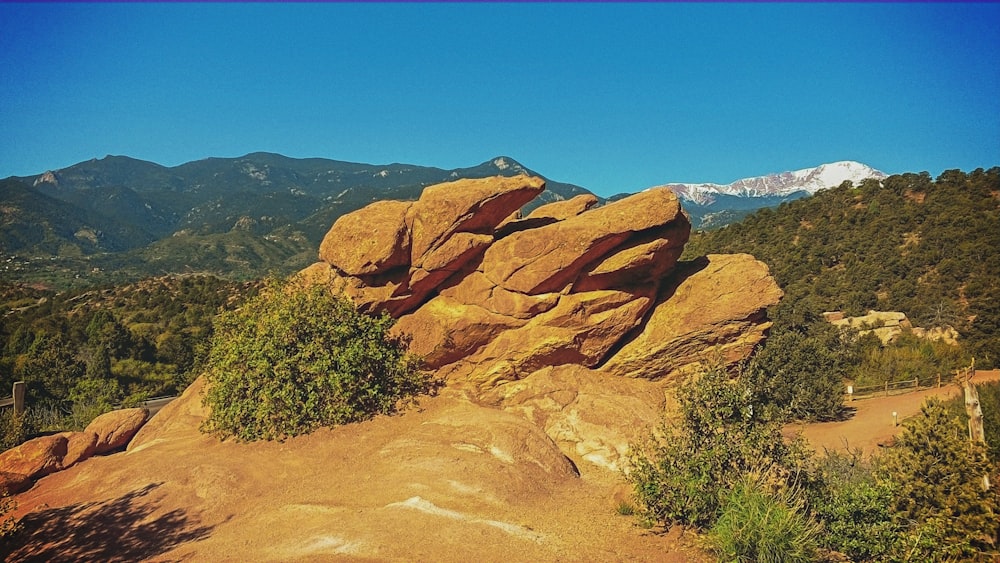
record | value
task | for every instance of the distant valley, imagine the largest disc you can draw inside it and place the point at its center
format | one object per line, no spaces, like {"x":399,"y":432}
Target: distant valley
{"x":118,"y":219}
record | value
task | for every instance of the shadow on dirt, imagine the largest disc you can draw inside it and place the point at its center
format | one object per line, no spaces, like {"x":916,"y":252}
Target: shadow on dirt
{"x":124,"y":529}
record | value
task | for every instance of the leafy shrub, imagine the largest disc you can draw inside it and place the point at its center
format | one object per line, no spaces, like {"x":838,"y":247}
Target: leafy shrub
{"x":680,"y":474}
{"x":855,"y":507}
{"x":762,"y":524}
{"x":802,"y":373}
{"x":292,"y":360}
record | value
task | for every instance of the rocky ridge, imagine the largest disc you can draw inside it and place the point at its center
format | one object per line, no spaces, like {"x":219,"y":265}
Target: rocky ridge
{"x":502,"y":306}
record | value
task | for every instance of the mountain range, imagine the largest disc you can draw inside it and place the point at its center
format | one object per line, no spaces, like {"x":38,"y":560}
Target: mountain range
{"x":118,"y":218}
{"x":715,"y":205}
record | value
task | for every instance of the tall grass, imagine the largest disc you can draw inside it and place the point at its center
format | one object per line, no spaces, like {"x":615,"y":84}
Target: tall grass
{"x":761,"y":523}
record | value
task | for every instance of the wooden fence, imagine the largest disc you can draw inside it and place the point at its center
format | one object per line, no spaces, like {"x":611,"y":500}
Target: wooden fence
{"x":909,"y":385}
{"x":16,"y":399}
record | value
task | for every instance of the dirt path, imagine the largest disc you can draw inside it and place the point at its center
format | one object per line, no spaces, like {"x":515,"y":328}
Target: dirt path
{"x":872,"y":423}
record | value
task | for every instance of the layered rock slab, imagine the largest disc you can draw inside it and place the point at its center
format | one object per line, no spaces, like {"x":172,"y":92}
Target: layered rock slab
{"x":712,"y":308}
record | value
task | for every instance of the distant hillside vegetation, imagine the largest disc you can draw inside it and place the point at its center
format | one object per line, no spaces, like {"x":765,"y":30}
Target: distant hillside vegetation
{"x":119,"y":219}
{"x":910,"y":243}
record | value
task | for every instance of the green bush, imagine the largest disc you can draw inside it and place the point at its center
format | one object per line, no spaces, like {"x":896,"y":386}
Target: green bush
{"x":681,"y":472}
{"x":8,"y":524}
{"x":762,"y":524}
{"x":14,"y":429}
{"x":802,"y":373}
{"x":939,"y":500}
{"x":292,"y":360}
{"x":855,"y":508}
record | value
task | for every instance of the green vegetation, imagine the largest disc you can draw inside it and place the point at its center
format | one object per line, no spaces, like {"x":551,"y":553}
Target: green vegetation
{"x":759,"y":523}
{"x":682,"y":473}
{"x":939,"y":498}
{"x":292,"y":360}
{"x":928,"y":248}
{"x":724,"y":469}
{"x":854,"y":506}
{"x":83,"y":353}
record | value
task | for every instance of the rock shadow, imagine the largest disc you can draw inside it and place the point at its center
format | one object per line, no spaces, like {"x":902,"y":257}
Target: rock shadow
{"x":122,"y":530}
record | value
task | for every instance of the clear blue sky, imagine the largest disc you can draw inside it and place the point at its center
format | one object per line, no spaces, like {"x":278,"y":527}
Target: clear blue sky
{"x":613,"y":97}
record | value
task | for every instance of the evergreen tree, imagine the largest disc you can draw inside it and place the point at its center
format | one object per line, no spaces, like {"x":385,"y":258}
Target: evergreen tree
{"x":939,"y":498}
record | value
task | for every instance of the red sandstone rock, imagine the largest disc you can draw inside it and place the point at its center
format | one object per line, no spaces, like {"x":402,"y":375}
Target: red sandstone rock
{"x":551,"y":257}
{"x":465,"y":206}
{"x":79,"y":446}
{"x":716,"y":308}
{"x":35,"y":458}
{"x":566,"y":286}
{"x":116,"y":428}
{"x":370,"y":240}
{"x":561,"y":210}
{"x":13,"y":483}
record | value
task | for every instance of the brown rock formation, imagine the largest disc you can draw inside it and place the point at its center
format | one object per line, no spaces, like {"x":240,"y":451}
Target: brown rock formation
{"x":370,"y":240}
{"x":116,"y":428}
{"x":13,"y":483}
{"x":79,"y":446}
{"x":561,"y":210}
{"x":488,"y":298}
{"x":519,"y":310}
{"x":390,"y":256}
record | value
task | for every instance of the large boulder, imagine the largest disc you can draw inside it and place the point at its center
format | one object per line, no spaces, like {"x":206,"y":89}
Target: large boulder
{"x":114,"y":429}
{"x":370,"y":240}
{"x":13,"y":483}
{"x":550,"y":258}
{"x":79,"y":446}
{"x":593,"y":418}
{"x":393,"y":256}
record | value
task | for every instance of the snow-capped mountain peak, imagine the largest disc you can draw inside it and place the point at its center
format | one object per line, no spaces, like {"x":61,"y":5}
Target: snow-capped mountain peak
{"x":809,"y":180}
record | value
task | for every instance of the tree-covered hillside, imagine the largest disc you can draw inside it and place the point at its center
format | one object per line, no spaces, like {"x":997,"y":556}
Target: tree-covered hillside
{"x":105,"y":345}
{"x":929,"y":248}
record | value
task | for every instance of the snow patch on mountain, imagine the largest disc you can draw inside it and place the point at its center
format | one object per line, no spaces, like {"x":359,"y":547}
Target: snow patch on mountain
{"x":810,"y":180}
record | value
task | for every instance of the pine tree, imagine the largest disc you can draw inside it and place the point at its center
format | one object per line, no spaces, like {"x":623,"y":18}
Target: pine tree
{"x":937,"y":473}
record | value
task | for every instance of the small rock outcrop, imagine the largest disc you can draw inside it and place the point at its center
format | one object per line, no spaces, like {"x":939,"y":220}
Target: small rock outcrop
{"x":889,"y":326}
{"x":22,"y":465}
{"x":488,"y":298}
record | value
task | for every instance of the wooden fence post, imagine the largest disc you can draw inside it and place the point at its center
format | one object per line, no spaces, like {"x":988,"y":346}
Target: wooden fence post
{"x":18,"y":393}
{"x":975,"y":411}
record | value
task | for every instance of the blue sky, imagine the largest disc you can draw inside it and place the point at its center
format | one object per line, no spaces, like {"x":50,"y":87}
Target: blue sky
{"x":613,"y":97}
